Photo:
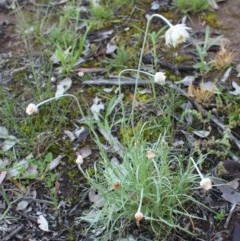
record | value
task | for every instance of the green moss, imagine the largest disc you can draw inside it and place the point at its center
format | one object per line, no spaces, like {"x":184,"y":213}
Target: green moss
{"x":179,"y":59}
{"x":193,"y":6}
{"x":212,"y":19}
{"x":221,"y":169}
{"x":149,"y":134}
{"x":173,"y":77}
{"x":143,"y":97}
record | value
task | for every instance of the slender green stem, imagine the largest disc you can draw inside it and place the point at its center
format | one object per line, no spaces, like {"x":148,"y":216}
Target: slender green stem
{"x":141,"y":198}
{"x":141,"y":56}
{"x":64,"y":95}
{"x":9,"y":204}
{"x":195,"y":165}
{"x":133,"y":70}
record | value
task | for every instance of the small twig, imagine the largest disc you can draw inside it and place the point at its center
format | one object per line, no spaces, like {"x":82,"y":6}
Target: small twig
{"x":115,"y":82}
{"x":89,"y":70}
{"x":37,"y":200}
{"x":33,"y":219}
{"x":15,"y":71}
{"x":13,"y":233}
{"x":175,"y":67}
{"x":47,"y":5}
{"x":229,"y":215}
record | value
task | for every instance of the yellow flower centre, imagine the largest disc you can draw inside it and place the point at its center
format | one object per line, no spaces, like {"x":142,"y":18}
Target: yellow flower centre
{"x":181,"y":38}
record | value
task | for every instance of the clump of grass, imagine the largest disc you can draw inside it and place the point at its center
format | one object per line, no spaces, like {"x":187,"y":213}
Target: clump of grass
{"x":121,"y":59}
{"x":102,"y":12}
{"x":193,"y":6}
{"x":150,"y":179}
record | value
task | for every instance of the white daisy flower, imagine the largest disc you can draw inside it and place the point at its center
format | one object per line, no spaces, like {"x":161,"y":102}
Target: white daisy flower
{"x":176,"y":34}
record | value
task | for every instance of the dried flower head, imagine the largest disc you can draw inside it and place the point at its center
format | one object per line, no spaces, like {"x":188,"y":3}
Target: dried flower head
{"x":150,"y":154}
{"x":176,"y":34}
{"x":202,"y":93}
{"x":160,"y":78}
{"x":206,"y":184}
{"x":224,"y":58}
{"x":31,"y":109}
{"x":138,"y":216}
{"x":79,"y":160}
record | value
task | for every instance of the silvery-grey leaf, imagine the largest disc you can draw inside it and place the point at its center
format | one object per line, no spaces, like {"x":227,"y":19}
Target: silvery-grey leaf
{"x":9,"y":143}
{"x":186,"y":80}
{"x":63,"y":86}
{"x":226,"y":75}
{"x":202,"y":133}
{"x":236,"y":87}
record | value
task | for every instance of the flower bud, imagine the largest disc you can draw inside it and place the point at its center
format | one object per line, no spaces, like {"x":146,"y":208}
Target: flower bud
{"x":116,"y":186}
{"x":138,"y":216}
{"x":31,"y":109}
{"x":79,"y":160}
{"x":160,"y":78}
{"x":206,"y":184}
{"x":150,"y":154}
